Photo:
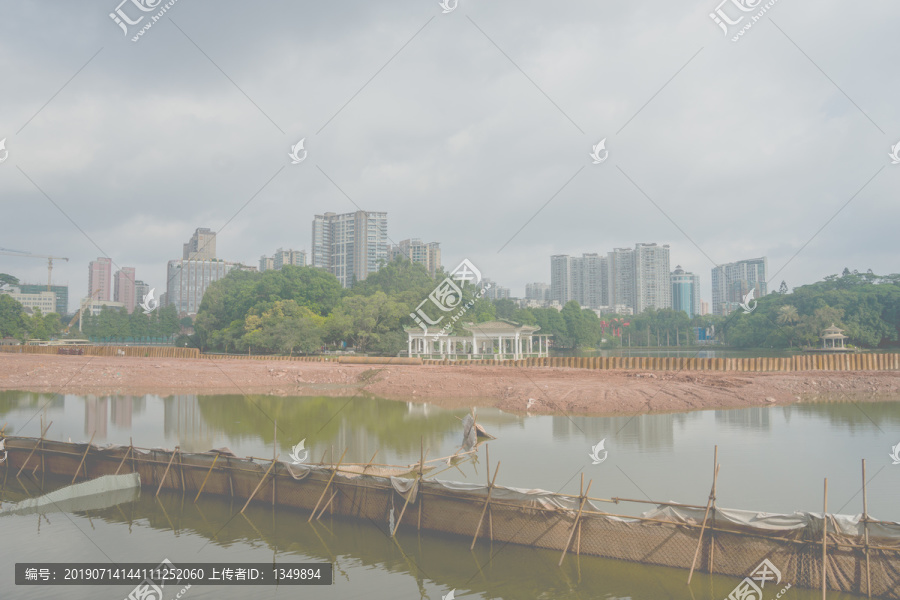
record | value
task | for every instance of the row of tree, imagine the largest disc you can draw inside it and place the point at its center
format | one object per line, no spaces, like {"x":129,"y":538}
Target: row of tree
{"x":304,"y":310}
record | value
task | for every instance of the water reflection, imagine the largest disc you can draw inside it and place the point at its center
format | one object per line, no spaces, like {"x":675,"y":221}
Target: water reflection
{"x":368,"y":562}
{"x":773,"y":457}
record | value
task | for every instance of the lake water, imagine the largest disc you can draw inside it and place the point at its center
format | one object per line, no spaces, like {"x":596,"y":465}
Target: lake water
{"x":772,"y":459}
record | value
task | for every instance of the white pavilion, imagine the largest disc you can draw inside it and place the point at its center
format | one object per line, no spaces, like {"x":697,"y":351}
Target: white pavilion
{"x":501,"y":339}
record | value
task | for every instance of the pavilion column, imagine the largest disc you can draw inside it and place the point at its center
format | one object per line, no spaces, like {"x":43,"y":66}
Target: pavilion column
{"x":409,"y":346}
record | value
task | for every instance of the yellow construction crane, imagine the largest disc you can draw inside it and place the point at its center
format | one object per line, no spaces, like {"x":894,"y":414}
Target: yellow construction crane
{"x":50,"y":259}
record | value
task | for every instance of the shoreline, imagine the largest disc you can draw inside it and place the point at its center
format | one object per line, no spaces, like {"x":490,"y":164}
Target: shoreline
{"x":544,"y":390}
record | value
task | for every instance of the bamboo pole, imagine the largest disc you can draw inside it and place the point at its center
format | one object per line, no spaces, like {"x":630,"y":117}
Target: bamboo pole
{"x":127,"y":452}
{"x":259,"y":485}
{"x":405,"y":504}
{"x":86,"y":450}
{"x":327,"y":504}
{"x":333,"y":473}
{"x":202,"y":485}
{"x":486,"y":502}
{"x":712,"y":497}
{"x":174,"y":452}
{"x":825,"y":541}
{"x":575,"y":524}
{"x":421,"y":467}
{"x":36,"y":444}
{"x":866,"y":530}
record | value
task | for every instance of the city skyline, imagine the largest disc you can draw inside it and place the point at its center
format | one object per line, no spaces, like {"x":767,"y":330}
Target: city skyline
{"x":485,"y":140}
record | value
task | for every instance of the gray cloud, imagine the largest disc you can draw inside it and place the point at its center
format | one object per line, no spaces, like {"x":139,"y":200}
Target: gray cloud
{"x":750,"y":149}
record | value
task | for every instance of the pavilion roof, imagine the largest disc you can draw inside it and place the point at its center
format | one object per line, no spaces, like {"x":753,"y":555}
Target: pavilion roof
{"x":499,"y":327}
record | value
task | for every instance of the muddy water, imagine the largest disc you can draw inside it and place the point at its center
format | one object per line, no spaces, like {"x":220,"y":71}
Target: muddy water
{"x":773,"y":459}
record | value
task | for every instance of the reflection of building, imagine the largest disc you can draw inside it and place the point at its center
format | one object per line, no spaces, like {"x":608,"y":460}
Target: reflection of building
{"x":95,"y":417}
{"x":120,"y":411}
{"x":755,"y":417}
{"x":183,"y":421}
{"x":647,"y":432}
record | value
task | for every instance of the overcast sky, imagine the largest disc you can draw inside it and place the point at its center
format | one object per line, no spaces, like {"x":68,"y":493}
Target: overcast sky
{"x":471,"y":128}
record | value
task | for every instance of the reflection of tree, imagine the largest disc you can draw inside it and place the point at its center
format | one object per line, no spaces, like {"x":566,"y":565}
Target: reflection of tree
{"x":843,"y":410}
{"x":12,"y":400}
{"x":322,"y":420}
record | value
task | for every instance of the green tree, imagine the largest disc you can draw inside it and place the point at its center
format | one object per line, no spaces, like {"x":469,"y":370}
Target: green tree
{"x":369,"y":323}
{"x":8,"y":280}
{"x":12,"y":323}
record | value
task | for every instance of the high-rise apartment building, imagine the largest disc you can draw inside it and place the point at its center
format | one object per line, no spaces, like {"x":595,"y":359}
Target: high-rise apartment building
{"x":417,"y":251}
{"x":539,"y":292}
{"x":123,"y":288}
{"x":188,"y":278}
{"x":201,"y":246}
{"x":281,"y":257}
{"x":580,"y":278}
{"x":620,"y":277}
{"x":100,"y":279}
{"x":733,"y":281}
{"x":266,"y":263}
{"x":685,"y":292}
{"x":350,"y":245}
{"x":652,"y":277}
{"x":141,"y":289}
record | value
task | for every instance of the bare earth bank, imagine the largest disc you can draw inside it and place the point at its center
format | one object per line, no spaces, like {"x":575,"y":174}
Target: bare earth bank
{"x":537,"y":390}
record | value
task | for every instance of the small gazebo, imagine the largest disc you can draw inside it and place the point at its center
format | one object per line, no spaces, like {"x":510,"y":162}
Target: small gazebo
{"x":834,"y":334}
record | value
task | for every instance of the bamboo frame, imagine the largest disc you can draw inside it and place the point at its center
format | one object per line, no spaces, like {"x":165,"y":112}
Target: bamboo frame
{"x":259,"y":485}
{"x":574,"y":525}
{"x":866,"y":530}
{"x":202,"y":485}
{"x":161,"y":481}
{"x":709,"y":503}
{"x":43,"y":433}
{"x":86,"y":450}
{"x":486,"y":503}
{"x":333,"y":473}
{"x":825,"y":542}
